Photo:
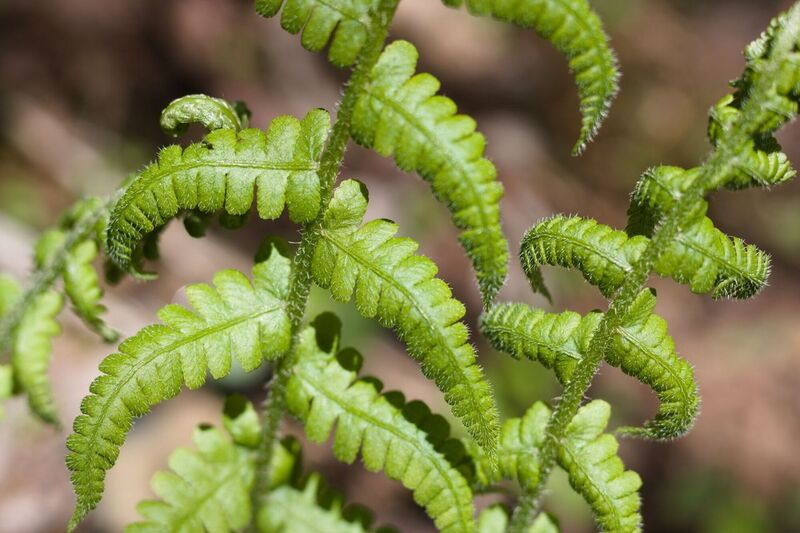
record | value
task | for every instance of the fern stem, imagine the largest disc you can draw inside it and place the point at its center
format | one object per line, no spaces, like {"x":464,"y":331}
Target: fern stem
{"x":44,"y":278}
{"x":300,"y":281}
{"x":715,"y":171}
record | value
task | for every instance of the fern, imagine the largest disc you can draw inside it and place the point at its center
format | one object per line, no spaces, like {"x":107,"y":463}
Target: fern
{"x":589,"y":456}
{"x":246,"y":476}
{"x":324,"y":390}
{"x":576,"y":31}
{"x":208,"y":490}
{"x":212,"y":113}
{"x":31,"y":351}
{"x":701,"y":256}
{"x":222,"y":173}
{"x":345,"y":23}
{"x":402,"y":115}
{"x":233,"y":319}
{"x":391,"y":283}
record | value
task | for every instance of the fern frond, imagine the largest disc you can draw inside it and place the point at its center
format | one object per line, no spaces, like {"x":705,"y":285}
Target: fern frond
{"x":603,"y":255}
{"x":324,"y":390}
{"x":342,"y":22}
{"x":311,"y":509}
{"x":400,"y":114}
{"x":576,"y":31}
{"x":398,"y":287}
{"x":212,"y":113}
{"x":31,"y":350}
{"x":494,"y":518}
{"x":641,"y":348}
{"x":206,"y":490}
{"x":589,"y":457}
{"x":709,"y":261}
{"x":222,"y":173}
{"x":82,"y":286}
{"x":701,"y":256}
{"x":233,"y":319}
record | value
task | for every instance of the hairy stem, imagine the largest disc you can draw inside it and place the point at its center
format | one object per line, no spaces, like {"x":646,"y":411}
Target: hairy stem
{"x":715,"y":171}
{"x":44,"y":278}
{"x":300,"y":281}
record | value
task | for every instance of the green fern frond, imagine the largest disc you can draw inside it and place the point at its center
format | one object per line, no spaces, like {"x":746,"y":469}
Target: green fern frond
{"x":206,"y":490}
{"x":31,"y":350}
{"x":324,"y":390}
{"x":400,"y":114}
{"x":311,"y":509}
{"x":603,"y":255}
{"x":233,"y":319}
{"x":701,"y":256}
{"x":342,"y":22}
{"x":6,"y":386}
{"x":589,"y":457}
{"x":212,"y":113}
{"x":641,"y":348}
{"x":576,"y":31}
{"x":82,"y":286}
{"x":222,"y":173}
{"x":398,"y":287}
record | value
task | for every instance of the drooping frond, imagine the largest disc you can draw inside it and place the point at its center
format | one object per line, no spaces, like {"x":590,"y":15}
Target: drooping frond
{"x":342,"y":22}
{"x":701,"y":256}
{"x":398,"y":287}
{"x":212,"y":113}
{"x":400,"y":114}
{"x":576,"y":31}
{"x":603,"y":255}
{"x":641,"y":348}
{"x":324,"y":392}
{"x":312,"y":509}
{"x":557,"y":340}
{"x":494,"y":518}
{"x":205,"y":490}
{"x":82,"y":286}
{"x":225,"y":172}
{"x":589,"y":457}
{"x":232,"y":319}
{"x":31,"y":349}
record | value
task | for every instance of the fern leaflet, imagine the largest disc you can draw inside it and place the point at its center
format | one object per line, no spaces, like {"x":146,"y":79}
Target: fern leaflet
{"x":399,"y":113}
{"x":324,"y":389}
{"x":641,"y":348}
{"x":212,"y":113}
{"x":344,"y":23}
{"x":233,"y":319}
{"x":576,"y":31}
{"x":31,"y":350}
{"x":398,"y":287}
{"x":222,"y":173}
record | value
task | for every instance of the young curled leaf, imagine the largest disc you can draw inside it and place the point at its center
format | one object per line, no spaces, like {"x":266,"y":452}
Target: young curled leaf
{"x":212,"y":113}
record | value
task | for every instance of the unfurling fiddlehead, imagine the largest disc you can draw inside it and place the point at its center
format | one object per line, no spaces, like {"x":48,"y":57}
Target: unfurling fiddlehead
{"x":246,"y":476}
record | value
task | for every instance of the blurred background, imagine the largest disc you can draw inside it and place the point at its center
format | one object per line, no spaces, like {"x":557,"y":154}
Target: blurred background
{"x":82,"y":83}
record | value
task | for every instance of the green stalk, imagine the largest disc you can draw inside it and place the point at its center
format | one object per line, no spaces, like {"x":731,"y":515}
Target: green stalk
{"x":715,"y":171}
{"x":300,"y":281}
